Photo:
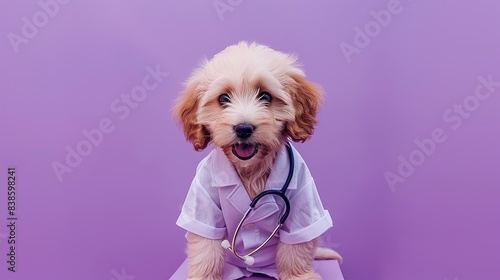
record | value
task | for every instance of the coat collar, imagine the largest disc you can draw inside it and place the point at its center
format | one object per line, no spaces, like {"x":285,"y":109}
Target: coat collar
{"x":224,"y":174}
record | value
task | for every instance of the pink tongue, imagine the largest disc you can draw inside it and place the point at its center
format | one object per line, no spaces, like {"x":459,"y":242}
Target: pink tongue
{"x":244,"y":150}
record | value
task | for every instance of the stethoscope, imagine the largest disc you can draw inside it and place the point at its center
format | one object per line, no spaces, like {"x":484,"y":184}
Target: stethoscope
{"x":248,"y":259}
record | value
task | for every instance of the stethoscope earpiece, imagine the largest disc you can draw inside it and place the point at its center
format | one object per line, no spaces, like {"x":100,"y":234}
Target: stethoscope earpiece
{"x":249,"y":260}
{"x":225,"y":244}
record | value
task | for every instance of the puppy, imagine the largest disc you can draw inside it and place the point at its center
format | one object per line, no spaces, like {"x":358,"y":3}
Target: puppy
{"x":249,"y":101}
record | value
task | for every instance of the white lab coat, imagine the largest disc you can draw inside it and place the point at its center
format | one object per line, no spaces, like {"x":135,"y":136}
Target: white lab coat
{"x":217,"y":200}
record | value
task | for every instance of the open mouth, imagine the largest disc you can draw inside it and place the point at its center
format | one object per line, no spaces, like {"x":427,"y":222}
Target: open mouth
{"x":245,"y":151}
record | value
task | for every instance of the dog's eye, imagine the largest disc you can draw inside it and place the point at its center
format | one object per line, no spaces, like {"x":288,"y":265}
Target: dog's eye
{"x":224,"y":98}
{"x":265,"y":96}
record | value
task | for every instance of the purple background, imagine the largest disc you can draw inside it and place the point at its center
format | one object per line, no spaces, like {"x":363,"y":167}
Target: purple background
{"x":117,"y":209}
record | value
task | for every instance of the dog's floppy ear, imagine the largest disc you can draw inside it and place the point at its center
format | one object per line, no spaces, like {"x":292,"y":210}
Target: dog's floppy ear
{"x":185,"y":109}
{"x":307,"y":98}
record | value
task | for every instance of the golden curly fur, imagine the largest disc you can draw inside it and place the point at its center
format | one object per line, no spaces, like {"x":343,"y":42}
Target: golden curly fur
{"x":245,"y":72}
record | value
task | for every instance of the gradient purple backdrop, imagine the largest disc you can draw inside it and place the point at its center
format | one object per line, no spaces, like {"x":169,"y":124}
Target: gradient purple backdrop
{"x":114,"y":214}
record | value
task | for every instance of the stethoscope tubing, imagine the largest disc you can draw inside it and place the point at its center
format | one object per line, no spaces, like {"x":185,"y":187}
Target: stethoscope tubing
{"x":281,"y":193}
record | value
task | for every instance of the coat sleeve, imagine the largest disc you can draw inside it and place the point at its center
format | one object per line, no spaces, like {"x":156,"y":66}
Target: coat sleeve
{"x":201,"y":212}
{"x":308,"y":219}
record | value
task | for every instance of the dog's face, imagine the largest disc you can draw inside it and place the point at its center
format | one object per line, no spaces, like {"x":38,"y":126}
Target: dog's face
{"x":247,"y":100}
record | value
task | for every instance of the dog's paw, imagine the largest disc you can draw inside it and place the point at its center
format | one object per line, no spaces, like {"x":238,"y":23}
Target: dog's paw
{"x":307,"y":276}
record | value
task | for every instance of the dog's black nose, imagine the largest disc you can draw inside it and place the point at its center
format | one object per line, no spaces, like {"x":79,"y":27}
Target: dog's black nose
{"x":244,"y":130}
